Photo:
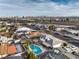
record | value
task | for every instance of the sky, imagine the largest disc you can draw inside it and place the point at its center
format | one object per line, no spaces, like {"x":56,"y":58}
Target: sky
{"x":39,"y":7}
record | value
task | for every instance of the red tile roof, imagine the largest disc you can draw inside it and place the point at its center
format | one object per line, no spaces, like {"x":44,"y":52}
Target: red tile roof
{"x":7,"y":49}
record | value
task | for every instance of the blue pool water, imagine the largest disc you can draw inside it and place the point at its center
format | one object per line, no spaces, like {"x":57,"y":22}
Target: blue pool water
{"x":36,"y":49}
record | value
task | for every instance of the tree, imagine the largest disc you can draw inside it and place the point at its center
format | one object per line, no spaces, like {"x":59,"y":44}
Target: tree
{"x":67,"y":19}
{"x":64,"y":44}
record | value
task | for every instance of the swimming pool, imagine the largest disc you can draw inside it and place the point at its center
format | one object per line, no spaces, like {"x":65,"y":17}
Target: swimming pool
{"x":36,"y":49}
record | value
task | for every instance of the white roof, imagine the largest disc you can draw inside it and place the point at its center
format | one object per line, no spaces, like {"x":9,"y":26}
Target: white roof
{"x":65,"y":26}
{"x":56,"y":41}
{"x":72,"y":31}
{"x":23,"y":29}
{"x":58,"y":45}
{"x":4,"y":39}
{"x":72,"y":36}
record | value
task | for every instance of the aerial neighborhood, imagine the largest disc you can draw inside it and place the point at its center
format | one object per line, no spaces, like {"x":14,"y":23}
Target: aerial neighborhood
{"x":27,"y":39}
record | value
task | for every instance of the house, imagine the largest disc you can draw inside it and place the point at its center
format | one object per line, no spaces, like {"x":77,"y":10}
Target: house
{"x":23,"y":29}
{"x":51,"y":41}
{"x":5,"y":39}
{"x":34,"y":34}
{"x":6,"y":49}
{"x":72,"y":31}
{"x":47,"y":40}
{"x":10,"y":49}
{"x":28,"y":34}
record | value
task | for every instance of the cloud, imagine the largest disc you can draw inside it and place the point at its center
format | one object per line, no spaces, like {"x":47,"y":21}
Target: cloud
{"x":37,"y":8}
